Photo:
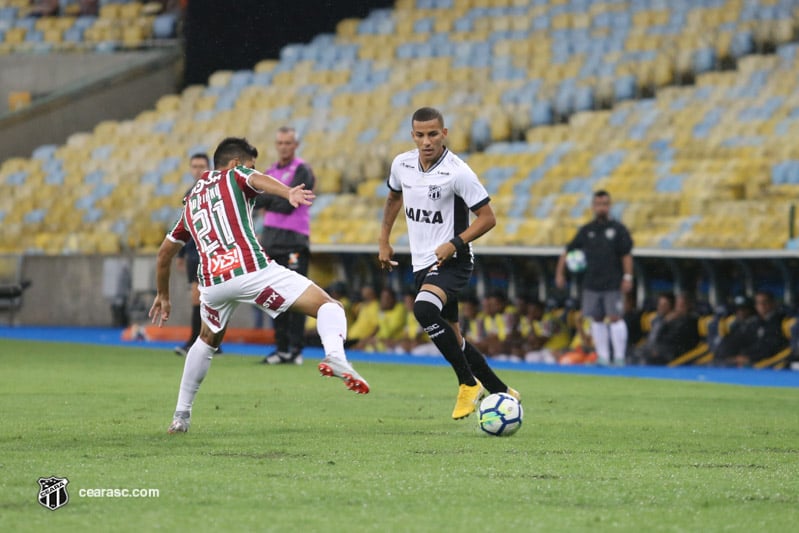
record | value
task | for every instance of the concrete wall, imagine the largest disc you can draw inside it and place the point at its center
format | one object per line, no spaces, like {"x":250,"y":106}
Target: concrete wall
{"x":77,"y":290}
{"x":69,"y":290}
{"x":44,"y":74}
{"x":100,"y":88}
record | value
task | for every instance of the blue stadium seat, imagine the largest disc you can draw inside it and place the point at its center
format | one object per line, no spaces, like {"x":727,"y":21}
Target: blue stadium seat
{"x":102,"y":153}
{"x":55,"y":177}
{"x":668,"y":184}
{"x":34,"y":36}
{"x":367,"y":136}
{"x":93,"y":178}
{"x":241,"y":79}
{"x":164,"y":26}
{"x":51,"y":166}
{"x":263,"y":79}
{"x":624,"y":87}
{"x":197,"y":149}
{"x":742,"y":43}
{"x":44,"y":152}
{"x":281,"y":114}
{"x":704,"y":59}
{"x":583,"y":99}
{"x":541,"y":113}
{"x":35,"y":216}
{"x":28,"y":24}
{"x":425,"y":25}
{"x":480,"y":133}
{"x":153,"y":177}
{"x":8,"y":13}
{"x":73,"y":35}
{"x":163,"y":126}
{"x":17,"y":178}
{"x":289,"y":55}
{"x":84,"y":21}
{"x":92,"y":215}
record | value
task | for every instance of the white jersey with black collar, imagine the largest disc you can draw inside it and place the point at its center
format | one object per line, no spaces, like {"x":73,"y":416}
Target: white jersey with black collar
{"x":437,"y":202}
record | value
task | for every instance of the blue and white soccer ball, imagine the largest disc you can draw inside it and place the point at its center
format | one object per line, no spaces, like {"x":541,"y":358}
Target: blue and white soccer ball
{"x":575,"y":261}
{"x":500,"y":414}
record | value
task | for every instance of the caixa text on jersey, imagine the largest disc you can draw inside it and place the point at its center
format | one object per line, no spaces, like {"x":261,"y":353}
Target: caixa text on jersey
{"x":424,"y":215}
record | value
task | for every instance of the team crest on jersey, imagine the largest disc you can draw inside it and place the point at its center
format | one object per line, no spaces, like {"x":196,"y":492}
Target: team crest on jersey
{"x":53,"y":492}
{"x":610,"y":233}
{"x":223,"y":263}
{"x":434,"y":192}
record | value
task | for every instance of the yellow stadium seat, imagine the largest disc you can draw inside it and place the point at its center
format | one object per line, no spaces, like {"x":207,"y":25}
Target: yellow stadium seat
{"x":110,"y":11}
{"x":14,"y":35}
{"x":220,"y":78}
{"x":131,"y":10}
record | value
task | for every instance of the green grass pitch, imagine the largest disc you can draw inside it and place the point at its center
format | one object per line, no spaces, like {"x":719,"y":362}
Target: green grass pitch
{"x":281,"y":449}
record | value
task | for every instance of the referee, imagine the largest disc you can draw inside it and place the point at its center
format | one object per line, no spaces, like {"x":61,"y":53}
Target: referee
{"x":607,"y":246}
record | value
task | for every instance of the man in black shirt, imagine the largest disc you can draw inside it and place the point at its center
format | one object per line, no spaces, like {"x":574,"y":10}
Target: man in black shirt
{"x":742,"y":329}
{"x":764,"y":337}
{"x":188,"y":259}
{"x":607,"y":246}
{"x":678,"y":333}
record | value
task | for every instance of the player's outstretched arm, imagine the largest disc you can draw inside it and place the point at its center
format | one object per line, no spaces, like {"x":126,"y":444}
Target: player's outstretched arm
{"x":390,"y":212}
{"x":295,"y":195}
{"x":162,"y":307}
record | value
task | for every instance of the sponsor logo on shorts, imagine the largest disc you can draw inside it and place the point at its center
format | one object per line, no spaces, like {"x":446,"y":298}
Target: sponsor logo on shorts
{"x":213,"y":316}
{"x":270,"y":299}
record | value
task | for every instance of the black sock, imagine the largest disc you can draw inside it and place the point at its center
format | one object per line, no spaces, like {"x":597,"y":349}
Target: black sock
{"x":443,"y":336}
{"x":481,"y":370}
{"x":196,"y":321}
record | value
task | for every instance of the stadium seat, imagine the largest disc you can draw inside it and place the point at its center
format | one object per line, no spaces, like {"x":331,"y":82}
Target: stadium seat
{"x":678,"y":163}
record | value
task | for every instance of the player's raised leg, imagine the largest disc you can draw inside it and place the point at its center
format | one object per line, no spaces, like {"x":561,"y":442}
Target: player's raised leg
{"x":331,"y":323}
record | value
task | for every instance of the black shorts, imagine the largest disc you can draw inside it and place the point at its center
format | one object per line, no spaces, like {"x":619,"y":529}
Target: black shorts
{"x":192,"y":264}
{"x":451,"y":277}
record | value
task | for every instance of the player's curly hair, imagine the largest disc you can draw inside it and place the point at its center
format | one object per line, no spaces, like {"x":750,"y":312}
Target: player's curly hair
{"x":233,"y":148}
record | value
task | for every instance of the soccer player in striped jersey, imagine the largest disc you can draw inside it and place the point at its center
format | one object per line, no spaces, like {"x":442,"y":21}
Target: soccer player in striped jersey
{"x":438,"y":190}
{"x":235,"y":269}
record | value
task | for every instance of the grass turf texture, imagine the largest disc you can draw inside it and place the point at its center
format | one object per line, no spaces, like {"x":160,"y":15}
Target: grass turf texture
{"x":279,"y":448}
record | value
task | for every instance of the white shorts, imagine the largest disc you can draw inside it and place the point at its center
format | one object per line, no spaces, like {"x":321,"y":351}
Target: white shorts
{"x":273,"y":290}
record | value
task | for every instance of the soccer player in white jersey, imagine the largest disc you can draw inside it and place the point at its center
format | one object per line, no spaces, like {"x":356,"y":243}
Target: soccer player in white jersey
{"x":235,"y":269}
{"x":438,"y":190}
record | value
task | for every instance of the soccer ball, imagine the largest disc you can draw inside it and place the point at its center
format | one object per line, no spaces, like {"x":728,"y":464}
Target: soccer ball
{"x":575,"y":261}
{"x":500,"y":414}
